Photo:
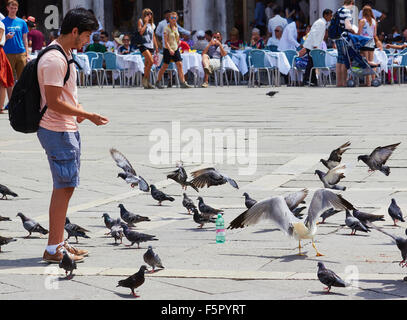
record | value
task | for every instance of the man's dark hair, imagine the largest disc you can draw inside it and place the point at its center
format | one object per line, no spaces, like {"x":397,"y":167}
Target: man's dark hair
{"x":327,"y":12}
{"x":167,"y":11}
{"x":105,"y":34}
{"x":79,"y":18}
{"x":278,"y":10}
{"x":209,"y":33}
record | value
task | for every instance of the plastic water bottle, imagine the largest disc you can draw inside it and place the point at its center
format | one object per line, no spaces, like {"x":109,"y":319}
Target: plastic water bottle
{"x":220,"y":229}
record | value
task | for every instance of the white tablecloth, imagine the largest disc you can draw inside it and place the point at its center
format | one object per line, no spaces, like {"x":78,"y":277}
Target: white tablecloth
{"x":279,"y":60}
{"x":192,"y":61}
{"x":240,"y":60}
{"x":83,"y":60}
{"x":133,"y":63}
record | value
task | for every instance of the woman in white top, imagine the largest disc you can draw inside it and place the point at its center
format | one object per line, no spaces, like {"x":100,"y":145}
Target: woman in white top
{"x":368,"y":28}
{"x":147,"y":44}
{"x":6,"y":73}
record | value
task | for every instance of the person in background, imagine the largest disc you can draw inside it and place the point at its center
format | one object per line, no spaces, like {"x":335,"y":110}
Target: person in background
{"x":260,"y":15}
{"x":96,"y":46}
{"x":234,"y":42}
{"x":104,"y":39}
{"x":275,"y":41}
{"x":118,"y":40}
{"x":201,"y":42}
{"x":16,"y":46}
{"x":270,"y":10}
{"x":289,"y":38}
{"x":379,"y":16}
{"x":146,"y":27}
{"x":100,"y":28}
{"x":126,"y":48}
{"x":164,"y":23}
{"x":257,"y":41}
{"x":53,"y":35}
{"x":276,"y":21}
{"x":399,"y":46}
{"x":171,"y":52}
{"x":306,"y":34}
{"x":2,"y":17}
{"x":314,"y":40}
{"x":189,"y":39}
{"x":292,"y":12}
{"x":212,"y":55}
{"x":208,"y":35}
{"x":36,"y":39}
{"x":368,"y":29}
{"x":6,"y":73}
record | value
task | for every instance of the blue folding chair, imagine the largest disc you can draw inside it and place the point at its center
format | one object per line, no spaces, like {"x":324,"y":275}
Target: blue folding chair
{"x":319,"y":59}
{"x":111,"y":66}
{"x":272,"y":48}
{"x":257,"y":64}
{"x":96,"y":64}
{"x":400,"y":67}
{"x":291,"y":55}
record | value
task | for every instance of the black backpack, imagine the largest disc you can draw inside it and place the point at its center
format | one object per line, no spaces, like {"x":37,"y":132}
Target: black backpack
{"x":24,"y":107}
{"x":335,"y":30}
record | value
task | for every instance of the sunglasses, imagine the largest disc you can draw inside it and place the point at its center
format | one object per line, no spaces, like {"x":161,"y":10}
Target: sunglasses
{"x":174,"y":18}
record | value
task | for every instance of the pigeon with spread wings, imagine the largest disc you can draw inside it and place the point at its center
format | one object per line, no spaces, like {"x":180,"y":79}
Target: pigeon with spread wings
{"x":180,"y":176}
{"x":129,"y":175}
{"x":332,"y":177}
{"x":277,"y":210}
{"x":335,"y":157}
{"x":211,"y":177}
{"x":378,"y":158}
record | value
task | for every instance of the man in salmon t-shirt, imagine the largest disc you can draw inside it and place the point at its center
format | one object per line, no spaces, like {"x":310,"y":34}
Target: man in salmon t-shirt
{"x":58,"y":132}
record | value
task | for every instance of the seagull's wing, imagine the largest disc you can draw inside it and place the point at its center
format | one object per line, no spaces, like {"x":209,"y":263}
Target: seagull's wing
{"x":335,"y":175}
{"x":380,"y":155}
{"x":295,"y":199}
{"x":122,"y":162}
{"x":274,"y":209}
{"x":324,"y":199}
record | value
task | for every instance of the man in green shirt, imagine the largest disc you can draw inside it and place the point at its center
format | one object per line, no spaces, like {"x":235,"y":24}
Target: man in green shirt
{"x":96,"y":46}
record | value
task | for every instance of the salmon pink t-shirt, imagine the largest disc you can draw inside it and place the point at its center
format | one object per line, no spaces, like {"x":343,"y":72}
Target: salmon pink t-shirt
{"x":52,"y":69}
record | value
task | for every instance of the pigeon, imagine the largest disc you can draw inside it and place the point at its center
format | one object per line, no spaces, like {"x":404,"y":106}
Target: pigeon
{"x":207,"y":210}
{"x":6,"y":192}
{"x":202,"y":219}
{"x":367,"y":217}
{"x":328,"y":213}
{"x":378,"y":158}
{"x":400,"y":242}
{"x":152,"y":259}
{"x":4,"y":219}
{"x":249,"y":202}
{"x":74,"y":230}
{"x":159,"y":195}
{"x":277,"y":210}
{"x":211,"y":177}
{"x":108,"y":221}
{"x":68,"y":264}
{"x":355,"y":224}
{"x":329,"y":278}
{"x":271,"y":93}
{"x":336,"y":156}
{"x":130,"y":217}
{"x":129,"y":175}
{"x":297,"y":212}
{"x":31,"y":226}
{"x":136,"y":237}
{"x":180,"y":176}
{"x":332,"y":177}
{"x":188,"y":203}
{"x":117,"y":231}
{"x":134,"y":281}
{"x":395,"y":212}
{"x":4,"y":241}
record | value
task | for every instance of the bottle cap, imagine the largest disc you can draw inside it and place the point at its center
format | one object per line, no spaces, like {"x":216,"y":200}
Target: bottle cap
{"x":220,"y":215}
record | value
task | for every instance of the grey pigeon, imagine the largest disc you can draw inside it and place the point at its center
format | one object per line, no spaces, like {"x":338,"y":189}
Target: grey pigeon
{"x":328,"y":213}
{"x":159,"y":195}
{"x":4,"y":219}
{"x":117,"y":231}
{"x":108,"y":221}
{"x":271,"y":94}
{"x":74,"y":230}
{"x":5,"y":240}
{"x":31,"y":226}
{"x":129,"y":175}
{"x":134,"y":281}
{"x":202,"y":219}
{"x":6,"y":192}
{"x":395,"y":212}
{"x":400,"y":242}
{"x":152,"y":259}
{"x":188,"y":203}
{"x":378,"y":158}
{"x":332,"y":177}
{"x":137,"y":237}
{"x":207,"y":210}
{"x":131,"y":218}
{"x":249,"y":202}
{"x":367,"y":217}
{"x":211,"y":177}
{"x":180,"y":176}
{"x":329,"y":278}
{"x":355,"y":224}
{"x":68,"y":264}
{"x":335,"y":157}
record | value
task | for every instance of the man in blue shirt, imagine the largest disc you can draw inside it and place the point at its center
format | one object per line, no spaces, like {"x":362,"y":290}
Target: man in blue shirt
{"x":260,"y":16}
{"x":16,"y":46}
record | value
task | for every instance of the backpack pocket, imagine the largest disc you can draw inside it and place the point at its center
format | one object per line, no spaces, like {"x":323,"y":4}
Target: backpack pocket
{"x":64,"y":165}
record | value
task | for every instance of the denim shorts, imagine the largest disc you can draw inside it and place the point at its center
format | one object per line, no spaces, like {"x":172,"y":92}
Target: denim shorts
{"x":63,"y":150}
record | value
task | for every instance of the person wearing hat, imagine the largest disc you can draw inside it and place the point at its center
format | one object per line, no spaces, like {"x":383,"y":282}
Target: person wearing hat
{"x":36,"y":39}
{"x":235,"y":42}
{"x":96,"y":46}
{"x":201,"y":43}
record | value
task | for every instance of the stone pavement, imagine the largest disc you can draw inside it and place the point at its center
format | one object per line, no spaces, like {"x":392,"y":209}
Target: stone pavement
{"x":295,"y":129}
